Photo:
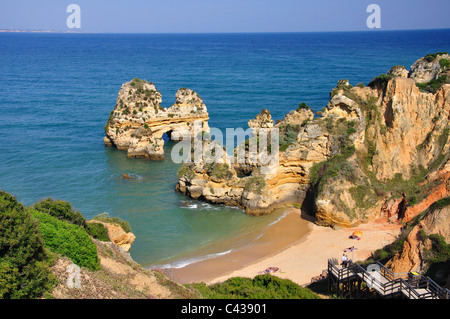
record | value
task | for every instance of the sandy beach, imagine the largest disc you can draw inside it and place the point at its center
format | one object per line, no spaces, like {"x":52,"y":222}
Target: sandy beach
{"x":295,"y":245}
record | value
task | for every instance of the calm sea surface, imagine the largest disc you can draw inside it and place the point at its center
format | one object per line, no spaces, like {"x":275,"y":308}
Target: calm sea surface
{"x":56,"y":92}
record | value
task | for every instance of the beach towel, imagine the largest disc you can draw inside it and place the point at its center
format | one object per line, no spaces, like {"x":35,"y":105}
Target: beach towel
{"x":269,"y":270}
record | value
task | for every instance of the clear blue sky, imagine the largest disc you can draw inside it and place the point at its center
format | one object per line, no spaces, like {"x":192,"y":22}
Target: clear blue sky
{"x":174,"y":16}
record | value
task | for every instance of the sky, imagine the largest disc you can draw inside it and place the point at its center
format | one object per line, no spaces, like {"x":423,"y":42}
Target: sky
{"x":211,"y":16}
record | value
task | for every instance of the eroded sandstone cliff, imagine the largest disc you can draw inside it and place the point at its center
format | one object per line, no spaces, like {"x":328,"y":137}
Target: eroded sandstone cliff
{"x":380,"y":149}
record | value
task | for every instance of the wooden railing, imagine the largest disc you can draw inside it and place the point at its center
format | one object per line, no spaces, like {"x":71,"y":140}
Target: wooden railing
{"x":396,"y":283}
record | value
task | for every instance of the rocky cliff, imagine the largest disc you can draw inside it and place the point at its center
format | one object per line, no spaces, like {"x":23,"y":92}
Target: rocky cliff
{"x":376,"y":150}
{"x":425,"y":248}
{"x":138,"y":122}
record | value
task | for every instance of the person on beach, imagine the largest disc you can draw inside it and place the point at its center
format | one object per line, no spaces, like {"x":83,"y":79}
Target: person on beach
{"x":344,"y":260}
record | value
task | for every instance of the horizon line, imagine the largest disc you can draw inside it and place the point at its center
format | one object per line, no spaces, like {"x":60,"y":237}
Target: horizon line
{"x":4,"y":30}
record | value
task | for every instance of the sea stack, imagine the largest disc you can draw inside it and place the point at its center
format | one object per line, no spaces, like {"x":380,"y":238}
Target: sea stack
{"x":138,"y":122}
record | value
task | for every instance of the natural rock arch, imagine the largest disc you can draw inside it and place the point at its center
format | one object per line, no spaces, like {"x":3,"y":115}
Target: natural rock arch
{"x":138,"y":122}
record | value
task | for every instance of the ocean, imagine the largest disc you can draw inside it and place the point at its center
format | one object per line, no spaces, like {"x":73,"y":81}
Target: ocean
{"x":56,"y":92}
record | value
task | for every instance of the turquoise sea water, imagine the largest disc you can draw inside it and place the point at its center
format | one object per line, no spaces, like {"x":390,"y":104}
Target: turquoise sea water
{"x":56,"y":92}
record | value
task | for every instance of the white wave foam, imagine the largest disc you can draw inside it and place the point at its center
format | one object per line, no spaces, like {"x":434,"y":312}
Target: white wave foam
{"x":277,"y":220}
{"x":185,"y":262}
{"x":271,"y":224}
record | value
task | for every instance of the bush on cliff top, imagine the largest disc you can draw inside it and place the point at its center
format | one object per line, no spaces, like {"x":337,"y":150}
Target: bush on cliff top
{"x":434,"y":85}
{"x":106,"y":218}
{"x":67,"y":239}
{"x":97,"y":231}
{"x":62,"y":210}
{"x":380,"y":81}
{"x":430,"y":57}
{"x":24,"y":263}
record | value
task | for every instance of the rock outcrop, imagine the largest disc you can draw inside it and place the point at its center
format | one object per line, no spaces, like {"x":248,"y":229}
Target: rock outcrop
{"x":138,"y":122}
{"x":262,"y":120}
{"x":380,"y":149}
{"x":117,"y":235}
{"x":419,"y":247}
{"x":260,"y":187}
{"x":429,"y":67}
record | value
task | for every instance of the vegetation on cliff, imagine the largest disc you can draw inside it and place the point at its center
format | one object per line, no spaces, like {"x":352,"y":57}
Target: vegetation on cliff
{"x":24,"y":260}
{"x":371,"y":144}
{"x":68,"y":240}
{"x":362,"y":173}
{"x":433,"y":249}
{"x":36,"y":240}
{"x":260,"y":287}
{"x":39,"y":243}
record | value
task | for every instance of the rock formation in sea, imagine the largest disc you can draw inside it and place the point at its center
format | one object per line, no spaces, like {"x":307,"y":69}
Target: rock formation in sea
{"x":376,"y":150}
{"x":138,"y":122}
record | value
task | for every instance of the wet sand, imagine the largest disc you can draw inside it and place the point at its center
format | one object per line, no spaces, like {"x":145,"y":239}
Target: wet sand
{"x":288,"y":231}
{"x":307,"y":258}
{"x":295,"y":245}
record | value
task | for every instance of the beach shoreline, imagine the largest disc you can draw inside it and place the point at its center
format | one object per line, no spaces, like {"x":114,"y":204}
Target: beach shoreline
{"x":290,"y":229}
{"x":297,"y":247}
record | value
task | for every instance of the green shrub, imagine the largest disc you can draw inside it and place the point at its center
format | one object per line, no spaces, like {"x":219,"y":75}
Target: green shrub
{"x":434,"y":85}
{"x":440,"y":249}
{"x":220,"y":171}
{"x":106,"y":218}
{"x":97,"y":231}
{"x":284,"y":147}
{"x":431,"y":57}
{"x":261,"y":287}
{"x":67,"y":239}
{"x":24,"y":264}
{"x":380,"y":81}
{"x":60,"y":209}
{"x":255,"y":184}
{"x":289,"y":135}
{"x":444,"y":63}
{"x":442,"y":203}
{"x":185,"y":170}
{"x":303,"y":106}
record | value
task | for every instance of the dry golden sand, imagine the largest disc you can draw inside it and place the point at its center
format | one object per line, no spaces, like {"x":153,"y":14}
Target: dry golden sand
{"x":298,"y":247}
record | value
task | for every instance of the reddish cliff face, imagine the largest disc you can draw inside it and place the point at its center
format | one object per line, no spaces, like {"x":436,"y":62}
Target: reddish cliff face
{"x":417,"y":249}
